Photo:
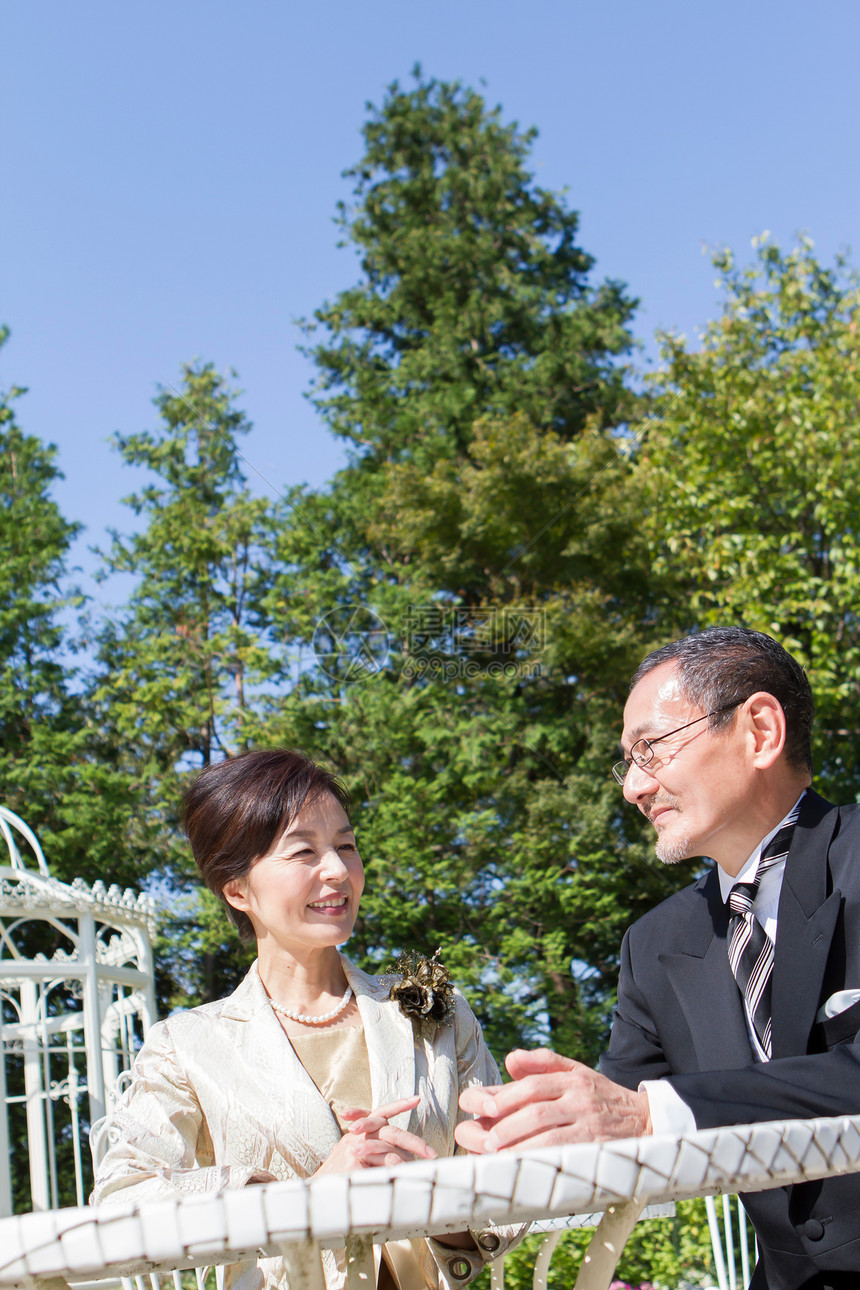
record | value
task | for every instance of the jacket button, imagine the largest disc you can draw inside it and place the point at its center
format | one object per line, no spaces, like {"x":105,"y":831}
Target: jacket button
{"x":812,"y":1229}
{"x":489,"y":1242}
{"x":460,"y":1269}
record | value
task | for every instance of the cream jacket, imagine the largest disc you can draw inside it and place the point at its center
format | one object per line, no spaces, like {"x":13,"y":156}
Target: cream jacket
{"x":218,"y":1093}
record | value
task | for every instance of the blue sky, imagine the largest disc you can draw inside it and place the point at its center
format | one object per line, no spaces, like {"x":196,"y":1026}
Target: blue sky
{"x":171,"y":172}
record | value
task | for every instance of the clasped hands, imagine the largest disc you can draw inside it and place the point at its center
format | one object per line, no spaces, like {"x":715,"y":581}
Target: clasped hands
{"x":371,"y":1141}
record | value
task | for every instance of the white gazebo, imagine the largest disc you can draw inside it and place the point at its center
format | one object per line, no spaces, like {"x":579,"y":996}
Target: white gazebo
{"x":76,"y":997}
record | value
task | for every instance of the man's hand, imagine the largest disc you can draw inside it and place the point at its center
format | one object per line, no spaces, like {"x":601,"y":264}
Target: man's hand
{"x":553,"y":1100}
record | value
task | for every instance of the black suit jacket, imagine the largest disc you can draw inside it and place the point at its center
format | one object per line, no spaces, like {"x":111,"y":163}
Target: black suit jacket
{"x":680,"y":1015}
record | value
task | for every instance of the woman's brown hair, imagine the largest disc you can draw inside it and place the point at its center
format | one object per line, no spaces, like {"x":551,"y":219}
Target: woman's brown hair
{"x":237,"y":809}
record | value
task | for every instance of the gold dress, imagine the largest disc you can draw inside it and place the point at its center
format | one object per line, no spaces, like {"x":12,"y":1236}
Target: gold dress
{"x":338,"y":1064}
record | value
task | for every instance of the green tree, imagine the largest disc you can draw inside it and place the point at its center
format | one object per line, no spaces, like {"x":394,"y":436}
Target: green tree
{"x":35,"y":679}
{"x":50,"y":767}
{"x":753,"y":482}
{"x":487,"y":526}
{"x":474,"y":299}
{"x":179,"y":664}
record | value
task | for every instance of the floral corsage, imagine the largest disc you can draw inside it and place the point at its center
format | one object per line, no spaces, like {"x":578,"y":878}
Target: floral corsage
{"x":424,"y":992}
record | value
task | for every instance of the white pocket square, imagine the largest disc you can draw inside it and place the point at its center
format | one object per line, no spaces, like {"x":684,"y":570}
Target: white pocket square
{"x":837,"y":1003}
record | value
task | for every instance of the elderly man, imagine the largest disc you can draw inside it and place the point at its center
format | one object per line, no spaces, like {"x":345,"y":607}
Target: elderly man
{"x":739,"y":997}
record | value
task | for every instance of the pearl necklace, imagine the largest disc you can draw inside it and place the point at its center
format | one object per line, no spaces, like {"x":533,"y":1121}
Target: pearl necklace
{"x":314,"y":1021}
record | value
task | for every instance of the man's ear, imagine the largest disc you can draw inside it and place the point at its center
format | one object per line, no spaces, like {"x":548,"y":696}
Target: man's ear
{"x":234,"y":893}
{"x":767,"y":728}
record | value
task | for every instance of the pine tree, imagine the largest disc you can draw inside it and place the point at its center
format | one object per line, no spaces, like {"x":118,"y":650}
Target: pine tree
{"x":486,"y":531}
{"x":179,"y":665}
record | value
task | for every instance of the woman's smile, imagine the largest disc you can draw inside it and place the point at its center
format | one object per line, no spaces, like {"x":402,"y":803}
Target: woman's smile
{"x":330,"y":905}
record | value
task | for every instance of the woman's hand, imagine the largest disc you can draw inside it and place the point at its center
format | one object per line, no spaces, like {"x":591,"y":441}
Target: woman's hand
{"x":370,"y":1141}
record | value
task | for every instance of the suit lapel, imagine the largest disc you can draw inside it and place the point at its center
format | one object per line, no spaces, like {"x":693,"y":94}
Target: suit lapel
{"x":390,"y":1041}
{"x":805,"y":926}
{"x":807,"y":918}
{"x":704,"y":985}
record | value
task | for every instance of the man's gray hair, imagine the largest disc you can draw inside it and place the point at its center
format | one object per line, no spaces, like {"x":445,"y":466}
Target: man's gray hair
{"x":721,"y":666}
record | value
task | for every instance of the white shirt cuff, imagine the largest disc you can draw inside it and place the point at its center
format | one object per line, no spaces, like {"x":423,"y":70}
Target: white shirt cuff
{"x":669,"y":1112}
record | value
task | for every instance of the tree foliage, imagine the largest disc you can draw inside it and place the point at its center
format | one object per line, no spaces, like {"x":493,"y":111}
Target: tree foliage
{"x":180,"y":663}
{"x":35,"y":540}
{"x":484,"y":524}
{"x":474,"y":299}
{"x":753,"y":480}
{"x":661,"y":1254}
{"x":183,"y":655}
{"x":50,"y":763}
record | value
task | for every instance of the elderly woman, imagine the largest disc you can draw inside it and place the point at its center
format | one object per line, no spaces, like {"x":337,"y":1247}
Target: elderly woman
{"x":309,"y":1067}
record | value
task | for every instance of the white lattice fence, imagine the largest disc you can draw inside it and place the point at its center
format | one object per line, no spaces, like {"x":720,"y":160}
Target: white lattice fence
{"x":296,"y":1218}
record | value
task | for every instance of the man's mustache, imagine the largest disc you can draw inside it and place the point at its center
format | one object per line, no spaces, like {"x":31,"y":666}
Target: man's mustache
{"x":659,"y":803}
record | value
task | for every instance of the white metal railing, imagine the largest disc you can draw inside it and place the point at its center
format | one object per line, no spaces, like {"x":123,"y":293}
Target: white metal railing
{"x":732,"y":1241}
{"x":296,"y":1219}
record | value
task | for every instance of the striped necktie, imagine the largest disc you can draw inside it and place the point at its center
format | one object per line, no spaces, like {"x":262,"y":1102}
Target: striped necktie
{"x":750,"y":948}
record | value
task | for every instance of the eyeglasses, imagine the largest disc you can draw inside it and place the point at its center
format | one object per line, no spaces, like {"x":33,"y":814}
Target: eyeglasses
{"x":643,"y":750}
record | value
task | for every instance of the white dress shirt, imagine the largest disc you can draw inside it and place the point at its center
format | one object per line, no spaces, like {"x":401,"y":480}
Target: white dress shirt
{"x":669,"y":1112}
